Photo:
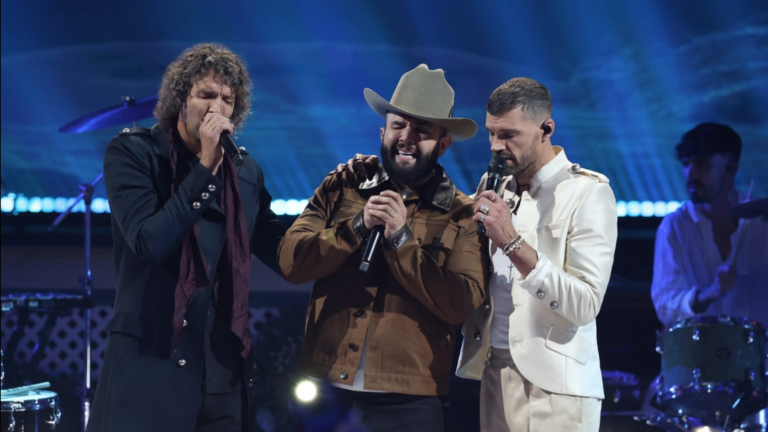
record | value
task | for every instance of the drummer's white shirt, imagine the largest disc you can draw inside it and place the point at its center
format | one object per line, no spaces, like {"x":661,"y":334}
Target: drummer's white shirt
{"x":686,"y":259}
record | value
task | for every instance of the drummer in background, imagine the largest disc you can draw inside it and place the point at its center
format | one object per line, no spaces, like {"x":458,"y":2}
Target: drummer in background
{"x":708,"y":261}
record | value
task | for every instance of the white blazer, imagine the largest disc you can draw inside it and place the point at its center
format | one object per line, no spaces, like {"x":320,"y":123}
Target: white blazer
{"x":569,"y":216}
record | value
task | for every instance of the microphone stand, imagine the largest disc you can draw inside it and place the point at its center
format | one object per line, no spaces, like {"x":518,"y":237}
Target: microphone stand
{"x":86,"y":281}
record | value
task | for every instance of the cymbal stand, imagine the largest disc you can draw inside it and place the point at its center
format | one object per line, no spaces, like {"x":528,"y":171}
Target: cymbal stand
{"x":86,"y":281}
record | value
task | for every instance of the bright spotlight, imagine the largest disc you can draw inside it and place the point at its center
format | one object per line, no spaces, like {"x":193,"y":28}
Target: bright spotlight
{"x":306,"y":391}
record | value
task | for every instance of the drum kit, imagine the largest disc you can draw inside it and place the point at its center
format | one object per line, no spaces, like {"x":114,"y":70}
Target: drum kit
{"x":713,"y":378}
{"x":29,"y":408}
{"x":713,"y":374}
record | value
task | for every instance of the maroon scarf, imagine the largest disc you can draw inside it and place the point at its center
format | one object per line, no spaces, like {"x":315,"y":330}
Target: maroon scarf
{"x":233,"y":273}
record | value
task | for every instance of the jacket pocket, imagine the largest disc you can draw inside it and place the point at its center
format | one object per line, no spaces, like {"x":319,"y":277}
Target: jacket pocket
{"x":555,"y":229}
{"x":128,"y":324}
{"x":436,"y":239}
{"x":569,"y":344}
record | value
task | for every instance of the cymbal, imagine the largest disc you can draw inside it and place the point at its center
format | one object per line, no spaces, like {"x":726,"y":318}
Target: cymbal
{"x":751,"y":209}
{"x":127,"y":112}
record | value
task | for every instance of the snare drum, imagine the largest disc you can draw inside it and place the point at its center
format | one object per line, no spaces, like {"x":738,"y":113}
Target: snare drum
{"x":710,"y":364}
{"x":37,"y":410}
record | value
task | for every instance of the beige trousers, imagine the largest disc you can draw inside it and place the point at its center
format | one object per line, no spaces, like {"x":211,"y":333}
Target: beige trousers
{"x":510,"y":403}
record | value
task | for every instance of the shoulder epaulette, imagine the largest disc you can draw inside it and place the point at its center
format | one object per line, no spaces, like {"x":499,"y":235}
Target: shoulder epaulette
{"x":577,"y":169}
{"x":136,"y":131}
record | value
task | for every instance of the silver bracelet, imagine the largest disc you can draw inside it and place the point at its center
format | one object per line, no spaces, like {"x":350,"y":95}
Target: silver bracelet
{"x":513,"y":246}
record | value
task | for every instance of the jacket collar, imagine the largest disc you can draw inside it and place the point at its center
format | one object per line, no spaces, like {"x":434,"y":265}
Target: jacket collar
{"x":162,"y":146}
{"x":440,"y":190}
{"x":559,"y":162}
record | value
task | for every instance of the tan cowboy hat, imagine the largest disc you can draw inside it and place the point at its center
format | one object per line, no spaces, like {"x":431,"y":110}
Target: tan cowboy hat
{"x":424,"y":94}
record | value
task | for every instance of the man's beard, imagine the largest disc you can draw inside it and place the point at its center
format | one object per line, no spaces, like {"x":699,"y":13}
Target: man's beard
{"x":411,"y":175}
{"x":190,"y":128}
{"x":526,"y":160}
{"x":702,"y":194}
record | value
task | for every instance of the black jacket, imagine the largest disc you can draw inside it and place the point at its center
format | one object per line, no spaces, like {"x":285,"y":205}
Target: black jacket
{"x":145,"y":383}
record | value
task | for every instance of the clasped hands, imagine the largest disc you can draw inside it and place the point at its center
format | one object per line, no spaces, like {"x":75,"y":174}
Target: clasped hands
{"x":386,"y":209}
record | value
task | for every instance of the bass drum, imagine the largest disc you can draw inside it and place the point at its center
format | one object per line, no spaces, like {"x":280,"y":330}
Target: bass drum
{"x":713,"y":367}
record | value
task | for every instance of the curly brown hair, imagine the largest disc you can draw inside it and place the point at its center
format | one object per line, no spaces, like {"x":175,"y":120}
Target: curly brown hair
{"x":194,"y":64}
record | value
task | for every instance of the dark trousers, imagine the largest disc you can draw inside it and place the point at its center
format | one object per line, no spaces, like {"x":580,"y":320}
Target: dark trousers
{"x":221,"y":412}
{"x":393,"y":412}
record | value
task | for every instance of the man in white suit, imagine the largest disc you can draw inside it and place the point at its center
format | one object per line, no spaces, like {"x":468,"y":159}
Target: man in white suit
{"x":552,"y":227}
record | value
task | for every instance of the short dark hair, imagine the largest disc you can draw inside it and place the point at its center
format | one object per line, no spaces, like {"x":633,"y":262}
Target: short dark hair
{"x":708,"y":139}
{"x":193,"y":65}
{"x":524,"y":93}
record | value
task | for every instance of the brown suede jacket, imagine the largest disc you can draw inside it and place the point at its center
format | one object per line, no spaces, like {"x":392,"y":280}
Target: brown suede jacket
{"x":424,"y":282}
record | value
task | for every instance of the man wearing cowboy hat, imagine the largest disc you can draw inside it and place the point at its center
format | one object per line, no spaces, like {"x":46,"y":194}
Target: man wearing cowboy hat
{"x":386,"y":337}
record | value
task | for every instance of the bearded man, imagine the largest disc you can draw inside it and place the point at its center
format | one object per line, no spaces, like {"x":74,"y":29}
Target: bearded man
{"x":385,"y":338}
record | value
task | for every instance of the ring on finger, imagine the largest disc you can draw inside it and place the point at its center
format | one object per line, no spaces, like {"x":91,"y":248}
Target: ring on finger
{"x":484,"y":209}
{"x":482,"y":217}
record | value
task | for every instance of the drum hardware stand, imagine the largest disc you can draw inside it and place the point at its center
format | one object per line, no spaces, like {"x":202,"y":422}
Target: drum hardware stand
{"x":86,"y":281}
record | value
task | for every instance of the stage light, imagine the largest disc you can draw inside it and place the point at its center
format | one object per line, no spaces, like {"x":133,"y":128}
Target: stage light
{"x":633,"y":209}
{"x":646,"y":209}
{"x":60,"y":204}
{"x":99,"y":205}
{"x":306,"y":391}
{"x":13,"y":203}
{"x":7,"y":203}
{"x":35,"y":205}
{"x":621,"y":208}
{"x":672,"y":206}
{"x":278,"y":206}
{"x":48,"y":204}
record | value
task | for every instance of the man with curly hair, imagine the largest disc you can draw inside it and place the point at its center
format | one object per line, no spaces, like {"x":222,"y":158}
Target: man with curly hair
{"x":185,"y":221}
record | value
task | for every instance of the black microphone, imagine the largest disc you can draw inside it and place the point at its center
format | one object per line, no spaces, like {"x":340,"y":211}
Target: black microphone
{"x":229,"y":146}
{"x":370,"y":249}
{"x":493,"y":181}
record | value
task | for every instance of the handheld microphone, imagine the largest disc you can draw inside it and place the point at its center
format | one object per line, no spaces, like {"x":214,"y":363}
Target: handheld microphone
{"x":492,"y":182}
{"x":229,"y":146}
{"x":374,"y":240}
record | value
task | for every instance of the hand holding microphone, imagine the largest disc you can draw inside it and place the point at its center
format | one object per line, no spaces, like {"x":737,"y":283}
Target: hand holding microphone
{"x":216,"y":139}
{"x":230,"y":148}
{"x":384,"y":215}
{"x":492,"y":183}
